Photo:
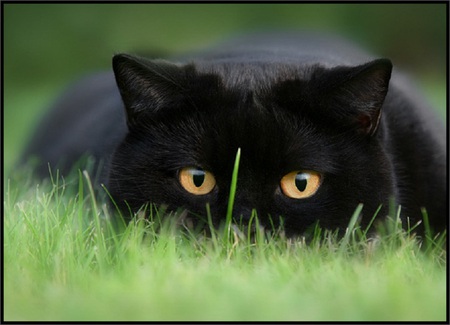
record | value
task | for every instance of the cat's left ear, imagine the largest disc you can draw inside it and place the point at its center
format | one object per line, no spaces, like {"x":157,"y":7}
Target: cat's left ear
{"x":358,"y":93}
{"x":146,"y":85}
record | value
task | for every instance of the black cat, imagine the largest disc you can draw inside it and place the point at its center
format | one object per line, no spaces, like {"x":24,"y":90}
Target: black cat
{"x":321,"y":125}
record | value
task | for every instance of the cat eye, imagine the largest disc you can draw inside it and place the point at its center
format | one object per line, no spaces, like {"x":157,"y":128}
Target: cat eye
{"x":300,"y":184}
{"x":196,"y":180}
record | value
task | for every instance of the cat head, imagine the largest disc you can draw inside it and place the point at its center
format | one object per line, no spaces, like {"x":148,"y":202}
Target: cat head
{"x":311,"y":140}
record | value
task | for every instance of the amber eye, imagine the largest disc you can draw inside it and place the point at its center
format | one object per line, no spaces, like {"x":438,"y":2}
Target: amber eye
{"x":300,"y":184}
{"x":196,"y":181}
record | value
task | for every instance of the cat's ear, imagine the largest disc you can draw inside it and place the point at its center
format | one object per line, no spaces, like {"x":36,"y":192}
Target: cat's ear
{"x":357,"y":93}
{"x":146,"y":85}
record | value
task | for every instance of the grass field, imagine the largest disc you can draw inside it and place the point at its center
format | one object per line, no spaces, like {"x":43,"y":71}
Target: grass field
{"x":65,"y":260}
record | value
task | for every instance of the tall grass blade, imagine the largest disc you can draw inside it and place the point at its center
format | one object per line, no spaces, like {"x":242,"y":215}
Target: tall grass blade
{"x":91,"y":192}
{"x":119,"y":220}
{"x":100,"y":247}
{"x":351,"y":227}
{"x":364,"y":235}
{"x":233,"y":186}
{"x":428,"y":240}
{"x":211,"y":227}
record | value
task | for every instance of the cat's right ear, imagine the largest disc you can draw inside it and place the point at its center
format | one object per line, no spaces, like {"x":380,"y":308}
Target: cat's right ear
{"x":356,"y":94}
{"x":146,"y":85}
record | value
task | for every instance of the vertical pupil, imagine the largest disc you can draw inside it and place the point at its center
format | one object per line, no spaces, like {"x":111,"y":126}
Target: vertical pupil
{"x":301,"y":180}
{"x":198,"y":176}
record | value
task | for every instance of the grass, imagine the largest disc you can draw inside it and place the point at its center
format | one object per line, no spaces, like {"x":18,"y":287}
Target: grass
{"x":66,"y":260}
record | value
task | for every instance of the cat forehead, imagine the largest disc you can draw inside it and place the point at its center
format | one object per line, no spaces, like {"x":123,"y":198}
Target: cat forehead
{"x":254,"y":75}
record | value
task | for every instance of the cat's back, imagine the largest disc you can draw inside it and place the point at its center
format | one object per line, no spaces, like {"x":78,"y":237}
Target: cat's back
{"x":86,"y":120}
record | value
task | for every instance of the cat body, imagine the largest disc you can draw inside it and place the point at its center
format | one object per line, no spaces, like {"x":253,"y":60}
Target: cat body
{"x":322,"y":127}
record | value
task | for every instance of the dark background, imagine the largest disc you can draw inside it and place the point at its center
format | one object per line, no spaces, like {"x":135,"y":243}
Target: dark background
{"x":47,"y":46}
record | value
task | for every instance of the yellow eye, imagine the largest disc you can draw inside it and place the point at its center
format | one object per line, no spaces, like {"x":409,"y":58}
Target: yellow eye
{"x":196,"y":181}
{"x":300,"y":184}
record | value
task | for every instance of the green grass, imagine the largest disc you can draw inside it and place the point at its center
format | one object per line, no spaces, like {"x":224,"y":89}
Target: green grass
{"x":65,"y":259}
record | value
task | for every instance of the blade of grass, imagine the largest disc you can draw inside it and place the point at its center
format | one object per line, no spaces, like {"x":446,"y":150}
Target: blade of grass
{"x":350,"y":228}
{"x":119,"y":220}
{"x":427,"y":230}
{"x":80,"y":201}
{"x":364,"y":235}
{"x":100,"y":246}
{"x":91,"y":192}
{"x":233,"y":186}
{"x":211,"y":227}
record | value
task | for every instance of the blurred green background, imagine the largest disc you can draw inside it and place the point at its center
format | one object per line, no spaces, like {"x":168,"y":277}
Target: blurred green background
{"x":46,"y":46}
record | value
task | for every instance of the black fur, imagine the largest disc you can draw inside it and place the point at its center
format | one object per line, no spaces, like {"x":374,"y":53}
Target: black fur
{"x":290,"y":102}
